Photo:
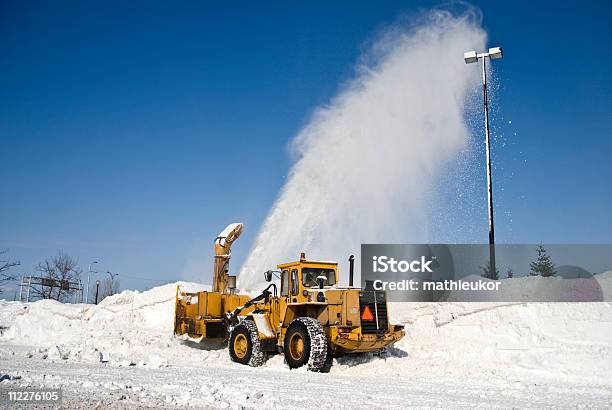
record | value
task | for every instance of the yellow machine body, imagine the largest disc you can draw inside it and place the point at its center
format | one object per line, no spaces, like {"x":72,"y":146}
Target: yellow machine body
{"x":354,"y":320}
{"x":201,"y":314}
{"x":339,"y":310}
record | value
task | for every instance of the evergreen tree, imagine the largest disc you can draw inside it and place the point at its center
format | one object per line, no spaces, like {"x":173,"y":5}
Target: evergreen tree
{"x":487,"y":273}
{"x":543,"y":264}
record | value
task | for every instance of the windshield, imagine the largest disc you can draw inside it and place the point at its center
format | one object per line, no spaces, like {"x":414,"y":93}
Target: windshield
{"x":309,"y":276}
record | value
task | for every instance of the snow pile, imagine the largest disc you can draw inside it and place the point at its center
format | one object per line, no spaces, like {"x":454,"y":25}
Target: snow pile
{"x":8,"y":313}
{"x":512,"y":339}
{"x":562,"y":341}
{"x":126,"y":329}
{"x":541,"y":289}
{"x":555,"y":340}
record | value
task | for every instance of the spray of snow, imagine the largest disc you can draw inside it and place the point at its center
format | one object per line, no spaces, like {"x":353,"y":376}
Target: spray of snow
{"x":366,"y":162}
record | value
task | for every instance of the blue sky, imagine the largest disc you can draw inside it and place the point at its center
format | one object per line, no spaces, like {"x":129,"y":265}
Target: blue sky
{"x":131,"y":134}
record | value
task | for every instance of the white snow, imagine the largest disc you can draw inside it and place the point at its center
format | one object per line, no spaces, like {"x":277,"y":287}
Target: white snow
{"x":127,"y":328}
{"x":565,"y":341}
{"x":564,"y":346}
{"x":549,"y":289}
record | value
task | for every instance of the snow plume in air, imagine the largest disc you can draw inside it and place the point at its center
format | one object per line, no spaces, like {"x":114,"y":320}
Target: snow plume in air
{"x":366,"y":162}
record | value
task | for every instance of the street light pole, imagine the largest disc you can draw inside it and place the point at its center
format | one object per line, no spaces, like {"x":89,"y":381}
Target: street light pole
{"x":88,"y":277}
{"x":472,"y":57}
{"x":489,"y":176}
{"x":97,"y":288}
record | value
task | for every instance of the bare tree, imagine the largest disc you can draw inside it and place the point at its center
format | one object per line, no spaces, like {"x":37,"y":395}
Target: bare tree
{"x":5,"y":265}
{"x":58,"y":271}
{"x":110,"y":286}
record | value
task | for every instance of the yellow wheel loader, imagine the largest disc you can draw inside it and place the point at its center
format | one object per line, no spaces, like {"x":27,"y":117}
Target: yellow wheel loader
{"x":311,"y":320}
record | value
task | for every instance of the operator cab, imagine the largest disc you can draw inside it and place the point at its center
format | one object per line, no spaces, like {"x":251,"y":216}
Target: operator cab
{"x":301,"y":276}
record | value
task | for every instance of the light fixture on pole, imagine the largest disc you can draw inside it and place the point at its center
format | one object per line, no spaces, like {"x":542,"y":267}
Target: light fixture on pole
{"x":494,"y":53}
{"x":88,"y":277}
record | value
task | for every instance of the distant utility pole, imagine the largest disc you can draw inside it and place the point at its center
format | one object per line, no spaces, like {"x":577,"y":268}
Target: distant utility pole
{"x":494,"y":53}
{"x":97,"y":289}
{"x":88,"y":275}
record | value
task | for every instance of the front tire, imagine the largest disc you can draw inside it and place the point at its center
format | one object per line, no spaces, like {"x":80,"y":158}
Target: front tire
{"x":306,"y":343}
{"x":244,"y":346}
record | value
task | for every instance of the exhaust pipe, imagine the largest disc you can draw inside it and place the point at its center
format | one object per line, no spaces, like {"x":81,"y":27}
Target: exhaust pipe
{"x":351,"y":269}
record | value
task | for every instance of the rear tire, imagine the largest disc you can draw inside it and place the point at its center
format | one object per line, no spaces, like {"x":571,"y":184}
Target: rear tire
{"x":306,"y":343}
{"x":244,"y":346}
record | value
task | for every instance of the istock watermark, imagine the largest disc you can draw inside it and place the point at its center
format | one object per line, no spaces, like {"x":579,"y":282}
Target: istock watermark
{"x":445,"y":285}
{"x":462,"y":273}
{"x":386,"y":264}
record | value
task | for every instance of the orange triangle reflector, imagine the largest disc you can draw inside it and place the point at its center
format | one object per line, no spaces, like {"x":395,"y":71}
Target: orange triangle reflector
{"x":367,"y":313}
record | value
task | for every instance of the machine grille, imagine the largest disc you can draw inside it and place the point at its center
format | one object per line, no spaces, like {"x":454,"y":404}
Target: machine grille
{"x":373,"y":311}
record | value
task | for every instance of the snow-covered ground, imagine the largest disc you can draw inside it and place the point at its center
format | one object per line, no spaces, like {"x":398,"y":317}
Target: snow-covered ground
{"x":122,"y":353}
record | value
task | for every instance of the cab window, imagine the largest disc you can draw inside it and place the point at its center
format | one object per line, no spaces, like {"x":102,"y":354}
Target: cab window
{"x":285,"y":283}
{"x":294,"y":282}
{"x":309,"y":276}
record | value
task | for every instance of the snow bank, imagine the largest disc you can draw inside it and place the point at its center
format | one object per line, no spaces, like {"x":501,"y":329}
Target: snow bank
{"x":129,"y":328}
{"x":519,"y":339}
{"x":541,"y":289}
{"x":555,"y":340}
{"x":567,"y":341}
{"x":8,"y":313}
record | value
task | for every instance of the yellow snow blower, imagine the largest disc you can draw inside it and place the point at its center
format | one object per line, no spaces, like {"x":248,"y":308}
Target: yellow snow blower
{"x":311,"y":321}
